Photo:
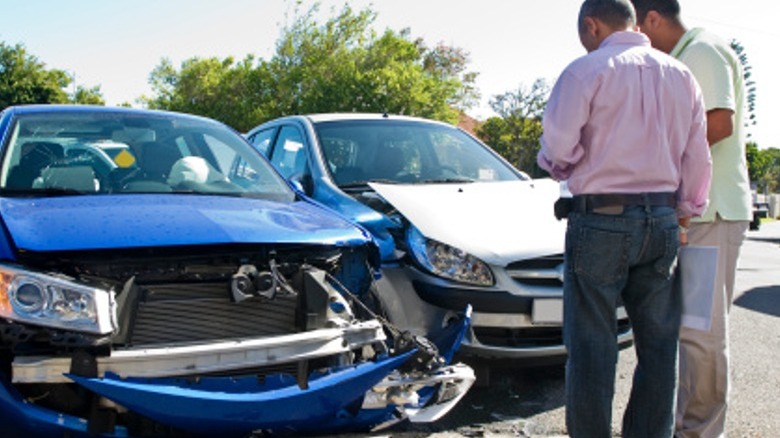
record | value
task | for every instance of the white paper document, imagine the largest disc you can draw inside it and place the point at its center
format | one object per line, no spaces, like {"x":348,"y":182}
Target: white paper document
{"x":698,"y":266}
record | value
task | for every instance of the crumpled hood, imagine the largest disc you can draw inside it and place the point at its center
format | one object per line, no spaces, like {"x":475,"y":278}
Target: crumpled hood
{"x":499,"y":222}
{"x":132,"y":221}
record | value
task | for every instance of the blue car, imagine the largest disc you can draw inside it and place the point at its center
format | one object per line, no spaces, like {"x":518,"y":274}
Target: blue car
{"x":158,"y":277}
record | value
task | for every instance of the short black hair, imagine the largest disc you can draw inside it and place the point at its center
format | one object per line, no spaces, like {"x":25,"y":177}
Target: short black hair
{"x":666,"y":8}
{"x":614,"y":13}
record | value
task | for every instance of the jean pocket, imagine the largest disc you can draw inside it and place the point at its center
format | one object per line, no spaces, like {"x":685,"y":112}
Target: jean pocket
{"x":602,"y":256}
{"x":666,"y":264}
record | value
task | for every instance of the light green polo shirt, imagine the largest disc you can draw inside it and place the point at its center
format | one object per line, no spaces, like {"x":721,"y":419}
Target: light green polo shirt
{"x":719,"y":73}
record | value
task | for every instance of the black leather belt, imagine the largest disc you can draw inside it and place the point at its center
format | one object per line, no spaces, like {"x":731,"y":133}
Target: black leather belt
{"x":588,"y":203}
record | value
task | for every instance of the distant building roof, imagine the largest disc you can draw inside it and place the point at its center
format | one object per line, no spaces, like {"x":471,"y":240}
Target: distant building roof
{"x":468,"y":123}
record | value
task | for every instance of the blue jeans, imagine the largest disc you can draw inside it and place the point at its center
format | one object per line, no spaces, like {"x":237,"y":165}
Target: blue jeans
{"x":629,"y":257}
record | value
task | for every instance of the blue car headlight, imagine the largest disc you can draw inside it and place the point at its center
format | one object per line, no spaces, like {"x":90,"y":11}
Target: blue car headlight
{"x":51,"y":301}
{"x":448,"y":262}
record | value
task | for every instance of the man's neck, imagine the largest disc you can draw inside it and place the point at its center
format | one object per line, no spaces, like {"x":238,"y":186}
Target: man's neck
{"x":675,"y":33}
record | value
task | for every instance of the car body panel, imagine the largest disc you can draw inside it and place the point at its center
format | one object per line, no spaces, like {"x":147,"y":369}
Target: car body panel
{"x":376,"y":223}
{"x":231,"y":406}
{"x":144,"y":220}
{"x":226,"y":397}
{"x":481,"y":217}
{"x":21,"y":418}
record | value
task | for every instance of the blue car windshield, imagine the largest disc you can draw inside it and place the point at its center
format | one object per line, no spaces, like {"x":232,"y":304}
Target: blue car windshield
{"x":402,"y":151}
{"x":102,"y":151}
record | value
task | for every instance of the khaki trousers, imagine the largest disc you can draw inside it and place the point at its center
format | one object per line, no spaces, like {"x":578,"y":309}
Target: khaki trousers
{"x":702,"y":395}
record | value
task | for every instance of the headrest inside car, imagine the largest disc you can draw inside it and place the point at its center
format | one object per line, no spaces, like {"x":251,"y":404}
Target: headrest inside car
{"x":193,"y":170}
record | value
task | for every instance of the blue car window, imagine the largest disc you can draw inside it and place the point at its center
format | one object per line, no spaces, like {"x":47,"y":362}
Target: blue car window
{"x":289,"y":154}
{"x":262,"y":140}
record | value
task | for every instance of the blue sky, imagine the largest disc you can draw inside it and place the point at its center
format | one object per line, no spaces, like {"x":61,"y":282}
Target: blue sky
{"x":117,"y":43}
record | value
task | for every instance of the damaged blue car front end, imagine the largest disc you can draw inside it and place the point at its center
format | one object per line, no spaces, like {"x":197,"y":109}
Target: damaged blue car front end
{"x":158,"y":278}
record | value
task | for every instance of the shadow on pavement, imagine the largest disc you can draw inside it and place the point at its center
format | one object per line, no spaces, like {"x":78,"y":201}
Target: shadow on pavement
{"x":761,"y":299}
{"x":775,"y":240}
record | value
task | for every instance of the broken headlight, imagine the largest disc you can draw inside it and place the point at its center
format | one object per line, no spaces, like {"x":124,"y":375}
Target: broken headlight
{"x":448,"y":262}
{"x":50,"y":301}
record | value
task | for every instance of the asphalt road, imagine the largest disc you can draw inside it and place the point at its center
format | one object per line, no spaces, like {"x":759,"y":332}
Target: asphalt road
{"x":522,"y":402}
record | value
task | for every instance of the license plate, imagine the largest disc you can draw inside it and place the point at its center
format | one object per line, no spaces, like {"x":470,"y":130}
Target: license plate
{"x":548,"y":311}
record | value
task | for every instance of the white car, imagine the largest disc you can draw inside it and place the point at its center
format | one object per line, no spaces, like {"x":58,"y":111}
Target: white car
{"x":456,"y":223}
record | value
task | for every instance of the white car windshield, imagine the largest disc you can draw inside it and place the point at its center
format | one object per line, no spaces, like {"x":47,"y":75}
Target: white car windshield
{"x":356,"y":152}
{"x":116,"y":152}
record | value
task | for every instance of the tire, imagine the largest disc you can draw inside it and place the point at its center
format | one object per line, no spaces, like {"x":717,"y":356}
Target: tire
{"x":756,"y":223}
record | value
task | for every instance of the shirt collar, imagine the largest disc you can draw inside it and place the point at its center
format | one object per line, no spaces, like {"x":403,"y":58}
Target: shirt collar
{"x":625,"y":37}
{"x":684,"y":41}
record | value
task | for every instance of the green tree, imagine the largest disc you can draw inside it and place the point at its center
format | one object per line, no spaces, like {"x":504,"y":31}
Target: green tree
{"x":340,"y":65}
{"x":450,"y":64}
{"x":516,"y":131}
{"x":773,"y":179}
{"x":24,"y":79}
{"x":763,"y":167}
{"x":221,"y":89}
{"x":87,"y":96}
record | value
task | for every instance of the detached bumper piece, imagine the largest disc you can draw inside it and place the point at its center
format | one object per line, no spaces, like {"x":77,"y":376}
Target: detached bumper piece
{"x":359,"y":398}
{"x":441,"y":391}
{"x":238,"y":407}
{"x":422,"y":390}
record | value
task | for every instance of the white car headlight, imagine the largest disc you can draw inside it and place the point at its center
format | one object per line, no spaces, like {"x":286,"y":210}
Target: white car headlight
{"x":46,"y":300}
{"x":448,"y":262}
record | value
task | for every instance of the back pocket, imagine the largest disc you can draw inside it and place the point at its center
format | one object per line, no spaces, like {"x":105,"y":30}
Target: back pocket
{"x":602,"y":256}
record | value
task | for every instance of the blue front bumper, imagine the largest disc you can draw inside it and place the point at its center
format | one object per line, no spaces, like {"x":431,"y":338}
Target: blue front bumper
{"x":235,"y":406}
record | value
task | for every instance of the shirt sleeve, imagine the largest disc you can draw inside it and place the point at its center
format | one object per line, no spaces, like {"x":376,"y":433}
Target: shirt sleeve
{"x":564,"y":117}
{"x":713,"y":73}
{"x":696,"y":163}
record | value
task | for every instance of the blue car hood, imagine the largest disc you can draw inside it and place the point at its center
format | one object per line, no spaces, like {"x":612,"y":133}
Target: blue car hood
{"x":122,"y":221}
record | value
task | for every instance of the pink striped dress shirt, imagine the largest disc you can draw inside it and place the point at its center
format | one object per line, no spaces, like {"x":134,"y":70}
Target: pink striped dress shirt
{"x":627,"y":118}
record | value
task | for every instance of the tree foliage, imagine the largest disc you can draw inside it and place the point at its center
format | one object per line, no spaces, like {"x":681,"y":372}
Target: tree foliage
{"x":221,"y":89}
{"x":516,"y":131}
{"x":24,"y":80}
{"x":339,"y":65}
{"x":87,"y":96}
{"x":764,"y":167}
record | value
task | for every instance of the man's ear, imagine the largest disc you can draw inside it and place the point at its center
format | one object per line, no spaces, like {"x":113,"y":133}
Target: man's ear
{"x":652,"y":20}
{"x":591,"y":26}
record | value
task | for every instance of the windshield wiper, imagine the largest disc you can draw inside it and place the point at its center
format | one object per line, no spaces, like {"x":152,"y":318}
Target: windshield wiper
{"x":358,"y":184}
{"x":447,"y":181}
{"x":48,"y":191}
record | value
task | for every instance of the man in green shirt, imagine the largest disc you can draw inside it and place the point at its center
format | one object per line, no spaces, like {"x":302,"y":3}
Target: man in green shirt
{"x":703,"y":389}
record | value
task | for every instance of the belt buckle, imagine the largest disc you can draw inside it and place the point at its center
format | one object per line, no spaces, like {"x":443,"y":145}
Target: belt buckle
{"x":609,"y":210}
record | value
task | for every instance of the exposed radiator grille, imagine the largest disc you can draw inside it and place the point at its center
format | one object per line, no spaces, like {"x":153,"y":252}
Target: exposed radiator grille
{"x":170,"y":313}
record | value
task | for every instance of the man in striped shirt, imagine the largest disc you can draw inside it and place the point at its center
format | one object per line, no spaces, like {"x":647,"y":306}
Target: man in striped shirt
{"x":625,"y":126}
